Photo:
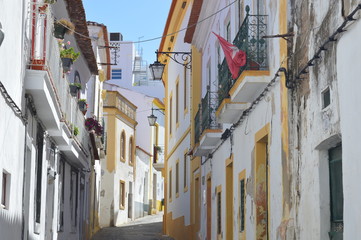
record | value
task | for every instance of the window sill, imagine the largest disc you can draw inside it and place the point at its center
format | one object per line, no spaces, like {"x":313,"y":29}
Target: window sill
{"x":185,"y":189}
{"x":122,"y":160}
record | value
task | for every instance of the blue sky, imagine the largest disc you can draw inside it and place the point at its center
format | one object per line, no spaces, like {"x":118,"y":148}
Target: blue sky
{"x":134,"y":19}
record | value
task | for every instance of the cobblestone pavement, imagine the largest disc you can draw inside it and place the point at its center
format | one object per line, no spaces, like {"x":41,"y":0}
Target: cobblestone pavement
{"x":146,"y":228}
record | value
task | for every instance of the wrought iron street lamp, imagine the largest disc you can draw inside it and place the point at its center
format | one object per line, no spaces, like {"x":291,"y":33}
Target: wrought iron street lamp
{"x":183,"y":58}
{"x":152,"y":119}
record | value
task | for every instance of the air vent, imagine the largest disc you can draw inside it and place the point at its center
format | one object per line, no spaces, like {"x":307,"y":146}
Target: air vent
{"x":184,"y":4}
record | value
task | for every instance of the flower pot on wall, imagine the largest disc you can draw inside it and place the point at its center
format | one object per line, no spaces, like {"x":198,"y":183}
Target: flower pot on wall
{"x":59,"y":31}
{"x":82,"y":106}
{"x":67,"y":62}
{"x":74,"y":90}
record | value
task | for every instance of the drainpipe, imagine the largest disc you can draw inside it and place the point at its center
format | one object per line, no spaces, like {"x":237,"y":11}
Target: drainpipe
{"x":24,"y":171}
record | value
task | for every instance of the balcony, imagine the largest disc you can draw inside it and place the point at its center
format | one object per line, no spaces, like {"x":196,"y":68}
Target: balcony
{"x":234,"y":95}
{"x":158,"y":157}
{"x":116,"y":100}
{"x":49,"y":90}
{"x":207,"y":130}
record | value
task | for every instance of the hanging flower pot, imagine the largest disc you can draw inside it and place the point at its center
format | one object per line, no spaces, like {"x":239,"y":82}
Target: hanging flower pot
{"x":68,"y":56}
{"x":74,"y":89}
{"x":67,"y":62}
{"x":82,"y":105}
{"x":63,"y":26}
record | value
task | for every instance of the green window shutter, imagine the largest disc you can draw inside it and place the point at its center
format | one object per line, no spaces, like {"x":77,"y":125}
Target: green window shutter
{"x":336,"y":188}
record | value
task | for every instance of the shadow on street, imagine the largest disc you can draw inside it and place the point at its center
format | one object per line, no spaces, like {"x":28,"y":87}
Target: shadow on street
{"x":137,"y":230}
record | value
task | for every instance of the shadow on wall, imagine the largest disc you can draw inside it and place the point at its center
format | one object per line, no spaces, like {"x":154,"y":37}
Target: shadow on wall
{"x":10,"y":226}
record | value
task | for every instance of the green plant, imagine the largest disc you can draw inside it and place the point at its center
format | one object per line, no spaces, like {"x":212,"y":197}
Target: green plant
{"x":78,"y":85}
{"x":69,"y":53}
{"x":50,"y":1}
{"x":159,"y":149}
{"x":67,"y":24}
{"x":76,"y":131}
{"x":82,"y":100}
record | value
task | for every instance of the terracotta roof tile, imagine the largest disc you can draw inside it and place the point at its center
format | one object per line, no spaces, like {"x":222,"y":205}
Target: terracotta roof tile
{"x":77,"y":15}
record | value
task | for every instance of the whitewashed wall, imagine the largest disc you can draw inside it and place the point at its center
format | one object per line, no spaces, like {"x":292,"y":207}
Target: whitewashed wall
{"x":348,"y":75}
{"x":12,"y":138}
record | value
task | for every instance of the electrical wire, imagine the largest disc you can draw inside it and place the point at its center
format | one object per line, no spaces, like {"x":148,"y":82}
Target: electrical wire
{"x":167,"y":35}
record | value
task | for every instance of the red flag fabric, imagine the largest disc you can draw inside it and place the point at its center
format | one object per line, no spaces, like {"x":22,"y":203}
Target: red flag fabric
{"x":235,"y":58}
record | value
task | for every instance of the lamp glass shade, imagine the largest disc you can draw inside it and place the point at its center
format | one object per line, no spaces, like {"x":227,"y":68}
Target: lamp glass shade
{"x":152,"y":119}
{"x":157,"y":69}
{"x":2,"y":35}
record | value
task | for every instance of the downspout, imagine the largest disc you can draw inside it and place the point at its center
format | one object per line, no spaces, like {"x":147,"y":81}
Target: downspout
{"x":24,"y":171}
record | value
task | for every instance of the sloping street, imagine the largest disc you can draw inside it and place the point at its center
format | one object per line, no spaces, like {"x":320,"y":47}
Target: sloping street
{"x":147,"y":228}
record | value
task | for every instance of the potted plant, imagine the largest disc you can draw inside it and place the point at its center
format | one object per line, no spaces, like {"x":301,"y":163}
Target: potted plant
{"x":50,"y":1}
{"x":82,"y":105}
{"x":76,"y":131}
{"x":159,"y":149}
{"x":63,"y":26}
{"x":68,"y":56}
{"x":74,"y":88}
{"x":93,"y":124}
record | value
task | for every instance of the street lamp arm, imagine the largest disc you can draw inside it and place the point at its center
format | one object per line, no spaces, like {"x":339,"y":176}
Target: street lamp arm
{"x":183,"y":58}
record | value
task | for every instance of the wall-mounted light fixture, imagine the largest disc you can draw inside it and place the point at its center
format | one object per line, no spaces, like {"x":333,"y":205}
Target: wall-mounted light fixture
{"x":152,"y":119}
{"x":183,"y":58}
{"x":2,"y":35}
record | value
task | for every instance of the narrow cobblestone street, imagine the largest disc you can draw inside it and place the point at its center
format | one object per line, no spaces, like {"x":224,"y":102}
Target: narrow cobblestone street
{"x":146,"y":228}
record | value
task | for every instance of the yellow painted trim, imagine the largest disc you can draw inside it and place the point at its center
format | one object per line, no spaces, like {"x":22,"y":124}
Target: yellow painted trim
{"x":262,"y":132}
{"x":262,"y":137}
{"x":158,"y":103}
{"x":224,"y":103}
{"x":219,"y":188}
{"x":247,"y":73}
{"x":196,"y":163}
{"x":122,"y":159}
{"x":121,"y":116}
{"x":209,"y":175}
{"x":284,"y":106}
{"x":122,"y":207}
{"x":229,"y":160}
{"x":177,"y":125}
{"x":178,"y":143}
{"x":195,"y":86}
{"x":131,"y":151}
{"x":242,"y":176}
{"x":185,"y":112}
{"x":229,"y":198}
{"x":210,"y":131}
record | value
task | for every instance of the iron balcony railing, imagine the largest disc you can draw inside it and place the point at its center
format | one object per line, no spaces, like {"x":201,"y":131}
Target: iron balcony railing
{"x":206,"y":115}
{"x":250,"y":40}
